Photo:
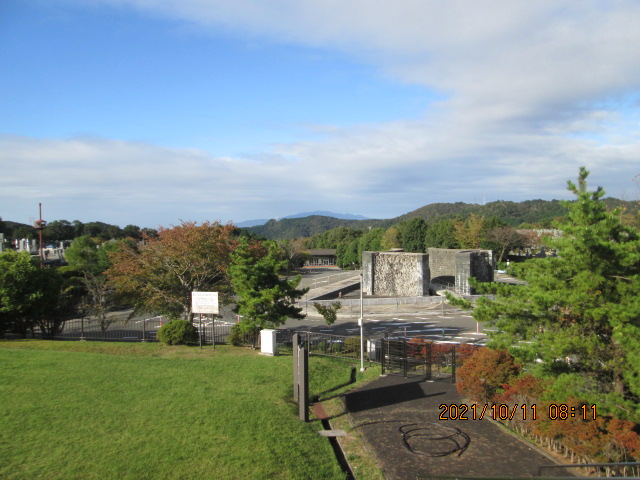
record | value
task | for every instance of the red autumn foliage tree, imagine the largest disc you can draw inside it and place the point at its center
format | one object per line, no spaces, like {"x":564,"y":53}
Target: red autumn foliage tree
{"x":573,"y":431}
{"x":481,"y":377}
{"x":158,"y":274}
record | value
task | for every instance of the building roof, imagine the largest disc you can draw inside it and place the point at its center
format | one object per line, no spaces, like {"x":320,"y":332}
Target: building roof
{"x":319,"y":252}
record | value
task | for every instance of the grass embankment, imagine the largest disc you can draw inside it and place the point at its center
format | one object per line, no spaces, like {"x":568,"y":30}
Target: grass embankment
{"x":95,"y":410}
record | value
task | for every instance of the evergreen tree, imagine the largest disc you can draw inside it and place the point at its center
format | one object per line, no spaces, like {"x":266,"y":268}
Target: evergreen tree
{"x":440,"y":234}
{"x":577,"y":319}
{"x":412,"y":235}
{"x":264,"y":300}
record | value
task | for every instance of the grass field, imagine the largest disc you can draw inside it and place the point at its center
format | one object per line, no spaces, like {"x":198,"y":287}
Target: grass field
{"x":90,"y":410}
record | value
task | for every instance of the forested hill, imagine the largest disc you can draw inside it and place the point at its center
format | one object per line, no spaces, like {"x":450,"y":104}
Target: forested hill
{"x":289,"y":228}
{"x":512,"y":213}
{"x":539,"y":213}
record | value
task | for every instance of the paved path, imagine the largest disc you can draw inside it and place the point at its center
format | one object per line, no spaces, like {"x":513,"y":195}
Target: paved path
{"x":399,"y":419}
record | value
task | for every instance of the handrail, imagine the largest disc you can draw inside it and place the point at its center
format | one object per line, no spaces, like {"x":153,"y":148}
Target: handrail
{"x":615,"y":465}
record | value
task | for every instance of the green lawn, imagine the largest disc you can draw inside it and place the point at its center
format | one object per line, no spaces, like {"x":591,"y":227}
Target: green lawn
{"x":95,"y":410}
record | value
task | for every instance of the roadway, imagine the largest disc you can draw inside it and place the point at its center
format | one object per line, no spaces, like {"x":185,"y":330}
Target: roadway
{"x":439,"y":322}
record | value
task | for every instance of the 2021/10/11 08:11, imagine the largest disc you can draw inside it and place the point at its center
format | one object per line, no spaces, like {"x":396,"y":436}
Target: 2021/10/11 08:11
{"x":509,"y":412}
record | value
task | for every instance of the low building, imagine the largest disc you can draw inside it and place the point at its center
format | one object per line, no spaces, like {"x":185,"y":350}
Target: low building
{"x":322,"y":257}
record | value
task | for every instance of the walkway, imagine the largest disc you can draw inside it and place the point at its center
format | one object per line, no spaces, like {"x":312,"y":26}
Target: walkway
{"x":399,"y":418}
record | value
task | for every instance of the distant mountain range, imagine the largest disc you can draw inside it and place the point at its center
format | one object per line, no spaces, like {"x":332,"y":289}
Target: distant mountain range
{"x":342,"y":216}
{"x":539,"y":212}
{"x":533,"y":212}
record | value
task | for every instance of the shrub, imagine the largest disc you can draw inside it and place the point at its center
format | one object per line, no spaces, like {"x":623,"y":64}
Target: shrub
{"x":178,"y":332}
{"x":484,"y":373}
{"x":241,"y":335}
{"x":352,"y":346}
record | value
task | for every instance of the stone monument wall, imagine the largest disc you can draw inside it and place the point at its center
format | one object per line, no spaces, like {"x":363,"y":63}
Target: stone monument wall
{"x":396,"y":274}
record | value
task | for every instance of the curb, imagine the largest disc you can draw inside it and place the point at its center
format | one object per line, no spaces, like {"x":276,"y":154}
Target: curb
{"x":320,"y":413}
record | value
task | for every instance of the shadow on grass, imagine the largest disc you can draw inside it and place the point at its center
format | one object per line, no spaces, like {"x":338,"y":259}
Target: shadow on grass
{"x":322,"y":395}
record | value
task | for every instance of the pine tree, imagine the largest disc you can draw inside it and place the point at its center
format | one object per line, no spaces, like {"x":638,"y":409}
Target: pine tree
{"x":578,"y":316}
{"x":264,"y":300}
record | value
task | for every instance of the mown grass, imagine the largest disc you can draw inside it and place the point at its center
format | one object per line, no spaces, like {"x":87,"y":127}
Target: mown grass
{"x":96,"y":410}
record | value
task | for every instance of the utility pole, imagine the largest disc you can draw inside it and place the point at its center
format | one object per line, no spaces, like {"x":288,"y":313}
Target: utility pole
{"x":39,"y":225}
{"x":360,"y":322}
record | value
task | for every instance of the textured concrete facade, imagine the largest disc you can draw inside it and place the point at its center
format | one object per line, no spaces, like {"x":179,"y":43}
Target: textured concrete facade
{"x":396,"y":274}
{"x":455,"y":267}
{"x":401,"y":274}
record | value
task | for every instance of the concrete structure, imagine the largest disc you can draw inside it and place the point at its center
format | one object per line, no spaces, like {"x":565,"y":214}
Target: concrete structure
{"x":396,"y":274}
{"x":400,"y":274}
{"x":451,"y":268}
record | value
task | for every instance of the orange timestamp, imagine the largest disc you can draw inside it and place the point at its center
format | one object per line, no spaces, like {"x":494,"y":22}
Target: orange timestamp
{"x":557,"y":411}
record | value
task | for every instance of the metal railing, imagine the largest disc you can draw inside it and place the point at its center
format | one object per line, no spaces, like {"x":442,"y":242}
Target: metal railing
{"x":617,"y":470}
{"x":136,"y":330}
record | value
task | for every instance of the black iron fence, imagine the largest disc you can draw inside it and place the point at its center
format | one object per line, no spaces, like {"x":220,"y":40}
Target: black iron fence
{"x":141,"y":330}
{"x":418,"y":357}
{"x":407,"y":357}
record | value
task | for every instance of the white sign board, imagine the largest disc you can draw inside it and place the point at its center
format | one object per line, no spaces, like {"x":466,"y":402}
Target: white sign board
{"x":204,"y":302}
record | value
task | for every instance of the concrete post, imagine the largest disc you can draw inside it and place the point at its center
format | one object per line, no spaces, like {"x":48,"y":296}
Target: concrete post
{"x":303,"y":383}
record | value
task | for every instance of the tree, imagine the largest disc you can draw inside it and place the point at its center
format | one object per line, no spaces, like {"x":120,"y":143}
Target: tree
{"x":484,"y":373}
{"x":468,"y":232}
{"x":347,"y":253}
{"x":370,"y":242}
{"x":59,"y":230}
{"x":577,"y":318}
{"x":295,"y":252}
{"x":440,"y":234}
{"x":132,"y":231}
{"x":328,"y":312}
{"x":91,"y":260}
{"x":503,"y":240}
{"x":30,"y":296}
{"x":158,"y":274}
{"x":412,"y":235}
{"x":390,"y":239}
{"x":263,"y":299}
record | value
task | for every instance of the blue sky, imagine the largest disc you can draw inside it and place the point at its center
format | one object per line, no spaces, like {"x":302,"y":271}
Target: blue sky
{"x":151,"y":112}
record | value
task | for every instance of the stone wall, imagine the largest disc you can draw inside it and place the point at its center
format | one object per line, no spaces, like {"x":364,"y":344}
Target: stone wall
{"x":442,"y":264}
{"x":401,"y":274}
{"x":396,"y":274}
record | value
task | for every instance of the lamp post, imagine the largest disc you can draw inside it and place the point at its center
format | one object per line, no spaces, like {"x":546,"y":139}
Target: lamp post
{"x":360,"y":322}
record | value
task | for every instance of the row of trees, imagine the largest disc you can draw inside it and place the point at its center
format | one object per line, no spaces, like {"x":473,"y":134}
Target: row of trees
{"x":60,"y":230}
{"x":417,"y":235}
{"x":155,"y":275}
{"x":572,"y":330}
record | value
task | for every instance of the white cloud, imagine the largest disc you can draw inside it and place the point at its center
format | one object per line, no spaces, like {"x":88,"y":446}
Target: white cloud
{"x":532,"y":90}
